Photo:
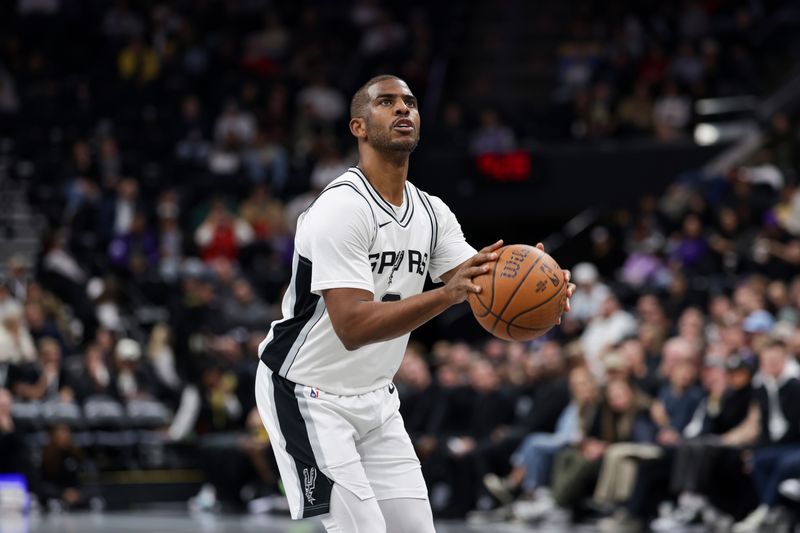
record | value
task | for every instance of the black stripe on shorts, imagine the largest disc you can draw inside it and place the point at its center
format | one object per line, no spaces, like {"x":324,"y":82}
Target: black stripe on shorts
{"x":315,"y":485}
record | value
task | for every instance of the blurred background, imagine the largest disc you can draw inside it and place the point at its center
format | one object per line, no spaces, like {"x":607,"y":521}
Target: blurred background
{"x":154,"y":157}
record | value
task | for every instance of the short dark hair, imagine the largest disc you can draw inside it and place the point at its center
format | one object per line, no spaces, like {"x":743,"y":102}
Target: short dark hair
{"x":360,"y":100}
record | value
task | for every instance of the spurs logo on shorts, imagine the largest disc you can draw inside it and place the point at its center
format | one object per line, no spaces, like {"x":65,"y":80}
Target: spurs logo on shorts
{"x":310,"y":482}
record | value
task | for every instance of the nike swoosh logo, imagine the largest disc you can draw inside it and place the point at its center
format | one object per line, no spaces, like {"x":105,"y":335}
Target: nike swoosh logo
{"x":382,"y":225}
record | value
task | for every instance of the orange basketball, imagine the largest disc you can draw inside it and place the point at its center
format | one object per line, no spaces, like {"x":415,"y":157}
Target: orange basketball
{"x":522,"y":295}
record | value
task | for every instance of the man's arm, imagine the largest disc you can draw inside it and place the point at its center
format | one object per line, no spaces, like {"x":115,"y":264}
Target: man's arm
{"x":359,"y":320}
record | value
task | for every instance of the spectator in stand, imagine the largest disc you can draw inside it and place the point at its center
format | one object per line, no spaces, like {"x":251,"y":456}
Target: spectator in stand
{"x":622,"y":416}
{"x":420,"y":397}
{"x":243,"y":308}
{"x":691,"y":248}
{"x":267,"y":162}
{"x":323,"y":102}
{"x":489,"y":406}
{"x":718,"y":431}
{"x":170,"y":237}
{"x":138,"y":63}
{"x":44,"y":380}
{"x":589,"y":296}
{"x":643,"y":370}
{"x":19,"y":276}
{"x":672,"y":113}
{"x":118,"y":212}
{"x":62,"y":463}
{"x":222,"y":234}
{"x":687,"y":67}
{"x":529,"y":478}
{"x":95,"y":377}
{"x":133,"y":378}
{"x":784,"y":145}
{"x":677,"y":402}
{"x":15,"y":455}
{"x":235,"y":127}
{"x":635,"y":112}
{"x":331,"y":165}
{"x":776,"y":458}
{"x":162,"y":357}
{"x":192,"y":132}
{"x":263,"y":212}
{"x":135,"y":253}
{"x":493,"y":136}
{"x":16,"y":343}
{"x":606,"y":329}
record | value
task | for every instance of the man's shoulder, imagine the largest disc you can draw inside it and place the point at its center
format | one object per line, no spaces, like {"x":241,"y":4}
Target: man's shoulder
{"x":344,"y":194}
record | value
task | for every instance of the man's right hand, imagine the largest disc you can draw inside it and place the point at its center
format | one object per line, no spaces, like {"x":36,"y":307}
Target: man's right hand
{"x":459,"y":280}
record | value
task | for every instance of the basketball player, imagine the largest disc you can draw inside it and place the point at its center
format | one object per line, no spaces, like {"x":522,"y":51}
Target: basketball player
{"x":324,"y":390}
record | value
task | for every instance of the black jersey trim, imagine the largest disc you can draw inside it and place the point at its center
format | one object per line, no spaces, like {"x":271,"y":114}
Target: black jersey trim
{"x":316,"y":486}
{"x":427,"y":201}
{"x":382,"y":203}
{"x":433,"y":224}
{"x":286,"y":333}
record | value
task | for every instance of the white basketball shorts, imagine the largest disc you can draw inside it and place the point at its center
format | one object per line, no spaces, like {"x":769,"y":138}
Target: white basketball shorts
{"x":319,"y":439}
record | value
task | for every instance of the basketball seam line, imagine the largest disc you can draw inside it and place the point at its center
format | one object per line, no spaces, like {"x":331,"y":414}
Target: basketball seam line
{"x":516,"y":289}
{"x":537,"y":306}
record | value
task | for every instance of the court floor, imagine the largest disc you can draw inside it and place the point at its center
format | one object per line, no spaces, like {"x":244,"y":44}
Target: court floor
{"x":163,"y":521}
{"x":175,"y":521}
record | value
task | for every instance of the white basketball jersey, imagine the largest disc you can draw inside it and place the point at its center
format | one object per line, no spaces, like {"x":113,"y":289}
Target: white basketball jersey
{"x":351,"y":237}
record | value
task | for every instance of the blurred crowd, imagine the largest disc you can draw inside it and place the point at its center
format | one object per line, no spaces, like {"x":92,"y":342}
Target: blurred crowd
{"x":633,"y":70}
{"x":668,"y":395}
{"x":171,"y":170}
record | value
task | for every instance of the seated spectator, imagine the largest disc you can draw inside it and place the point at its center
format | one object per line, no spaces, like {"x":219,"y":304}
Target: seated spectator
{"x":621,"y":417}
{"x":672,"y":113}
{"x":138,"y":63}
{"x":489,"y":406}
{"x":677,"y":402}
{"x":16,"y":341}
{"x":133,"y":378}
{"x":44,"y":380}
{"x":690,"y":248}
{"x":606,"y":329}
{"x":220,"y":409}
{"x":588,"y":298}
{"x":532,"y":461}
{"x":716,"y":435}
{"x":635,"y":112}
{"x":62,"y":463}
{"x":95,"y":377}
{"x":263,"y":212}
{"x":778,"y":455}
{"x":420,"y":396}
{"x":162,"y":357}
{"x":238,"y":466}
{"x":671,"y":412}
{"x":222,"y":234}
{"x":323,"y":102}
{"x":135,"y":253}
{"x":493,"y":136}
{"x":244,"y":309}
{"x":14,"y":452}
{"x":330,"y":165}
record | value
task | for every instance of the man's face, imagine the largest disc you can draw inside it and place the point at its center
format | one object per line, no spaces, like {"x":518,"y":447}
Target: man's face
{"x":773,"y":359}
{"x":392,"y":121}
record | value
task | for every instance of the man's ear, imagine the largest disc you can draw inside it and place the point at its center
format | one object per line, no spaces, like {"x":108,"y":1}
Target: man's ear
{"x":358,"y":128}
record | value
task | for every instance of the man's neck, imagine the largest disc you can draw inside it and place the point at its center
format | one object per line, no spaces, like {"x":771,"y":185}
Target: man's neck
{"x":387,"y":175}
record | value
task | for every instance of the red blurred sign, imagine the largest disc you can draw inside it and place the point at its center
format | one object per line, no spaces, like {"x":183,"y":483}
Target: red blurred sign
{"x":510,"y":166}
